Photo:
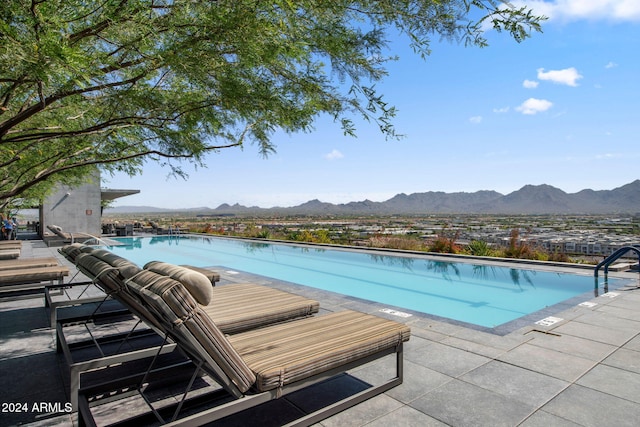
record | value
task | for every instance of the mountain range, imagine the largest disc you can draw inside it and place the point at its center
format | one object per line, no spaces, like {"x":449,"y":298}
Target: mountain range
{"x":529,"y":200}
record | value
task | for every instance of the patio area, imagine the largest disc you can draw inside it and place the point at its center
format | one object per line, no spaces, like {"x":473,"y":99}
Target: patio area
{"x":584,"y":369}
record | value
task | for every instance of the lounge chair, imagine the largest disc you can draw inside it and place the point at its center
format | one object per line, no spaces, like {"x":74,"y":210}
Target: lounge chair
{"x":74,"y":237}
{"x":9,"y":253}
{"x":71,"y":252}
{"x":256,"y":366}
{"x":235,"y":308}
{"x":27,"y":263}
{"x":10,"y":244}
{"x":20,"y":279}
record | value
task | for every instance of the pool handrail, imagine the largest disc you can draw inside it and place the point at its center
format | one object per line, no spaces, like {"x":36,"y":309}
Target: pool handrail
{"x":615,"y":256}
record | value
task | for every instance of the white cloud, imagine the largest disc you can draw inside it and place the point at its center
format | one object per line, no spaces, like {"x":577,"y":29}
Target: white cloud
{"x":334,"y":155}
{"x":475,"y":119}
{"x":607,"y":156}
{"x":533,"y":106}
{"x":568,"y":76}
{"x":530,"y":84}
{"x":594,"y":10}
{"x":501,"y":110}
{"x":611,"y":65}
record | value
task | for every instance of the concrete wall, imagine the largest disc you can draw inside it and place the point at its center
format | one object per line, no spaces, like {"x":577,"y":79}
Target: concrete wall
{"x":76,"y":210}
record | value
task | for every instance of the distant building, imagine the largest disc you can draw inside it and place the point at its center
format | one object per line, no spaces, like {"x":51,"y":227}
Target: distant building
{"x":77,"y":209}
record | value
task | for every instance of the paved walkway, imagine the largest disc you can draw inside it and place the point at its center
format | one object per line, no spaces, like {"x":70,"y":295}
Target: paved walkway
{"x":582,"y":370}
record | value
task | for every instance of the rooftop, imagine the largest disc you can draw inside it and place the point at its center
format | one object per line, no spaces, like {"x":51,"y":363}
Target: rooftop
{"x":581,"y":370}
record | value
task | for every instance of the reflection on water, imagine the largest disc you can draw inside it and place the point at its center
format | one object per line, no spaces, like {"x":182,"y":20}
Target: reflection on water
{"x":170,"y":240}
{"x":255,"y":247}
{"x":444,"y":268}
{"x":517,"y":275}
{"x":448,"y":269}
{"x":393,"y":261}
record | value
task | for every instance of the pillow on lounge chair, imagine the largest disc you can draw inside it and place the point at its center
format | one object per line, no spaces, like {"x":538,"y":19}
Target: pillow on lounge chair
{"x":195,"y":282}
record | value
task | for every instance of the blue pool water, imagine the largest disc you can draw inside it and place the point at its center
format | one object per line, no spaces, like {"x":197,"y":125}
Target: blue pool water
{"x":483,"y":295}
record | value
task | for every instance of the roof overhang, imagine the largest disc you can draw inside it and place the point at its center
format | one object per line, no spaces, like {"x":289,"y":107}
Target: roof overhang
{"x":112,"y":194}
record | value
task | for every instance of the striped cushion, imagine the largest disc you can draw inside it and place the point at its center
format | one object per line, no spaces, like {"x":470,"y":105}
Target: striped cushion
{"x":273,"y":356}
{"x":292,"y":351}
{"x":241,"y":306}
{"x":194,"y":330}
{"x":73,"y":250}
{"x":92,"y":265}
{"x":195,"y":282}
{"x":106,"y":276}
{"x":126,"y":267}
{"x":114,"y":283}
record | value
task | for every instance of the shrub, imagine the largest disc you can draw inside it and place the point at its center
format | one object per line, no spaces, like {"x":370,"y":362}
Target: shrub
{"x":397,"y":242}
{"x":479,"y":248}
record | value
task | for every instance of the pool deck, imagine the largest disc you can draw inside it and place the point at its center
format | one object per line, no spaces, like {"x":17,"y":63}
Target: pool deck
{"x":582,"y":370}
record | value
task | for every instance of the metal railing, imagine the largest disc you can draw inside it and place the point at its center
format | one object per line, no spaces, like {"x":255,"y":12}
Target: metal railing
{"x":615,"y":256}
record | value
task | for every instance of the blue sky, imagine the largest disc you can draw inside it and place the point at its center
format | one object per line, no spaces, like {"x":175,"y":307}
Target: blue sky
{"x":561,"y":108}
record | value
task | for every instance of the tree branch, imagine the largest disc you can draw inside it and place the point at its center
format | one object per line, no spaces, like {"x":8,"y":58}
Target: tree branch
{"x":36,"y":108}
{"x":45,"y":175}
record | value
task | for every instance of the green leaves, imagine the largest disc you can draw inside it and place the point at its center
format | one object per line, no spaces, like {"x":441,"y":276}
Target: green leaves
{"x":111,"y":83}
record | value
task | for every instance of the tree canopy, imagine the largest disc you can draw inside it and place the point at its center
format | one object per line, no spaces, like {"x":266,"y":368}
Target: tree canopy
{"x":111,"y":83}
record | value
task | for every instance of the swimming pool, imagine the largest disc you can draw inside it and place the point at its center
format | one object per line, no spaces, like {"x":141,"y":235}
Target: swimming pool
{"x":479,"y":294}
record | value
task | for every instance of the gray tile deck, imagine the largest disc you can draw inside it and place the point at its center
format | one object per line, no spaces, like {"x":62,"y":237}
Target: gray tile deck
{"x":584,"y":370}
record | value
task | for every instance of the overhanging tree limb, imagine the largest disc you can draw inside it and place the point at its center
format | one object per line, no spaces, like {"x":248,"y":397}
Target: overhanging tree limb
{"x":110,"y":84}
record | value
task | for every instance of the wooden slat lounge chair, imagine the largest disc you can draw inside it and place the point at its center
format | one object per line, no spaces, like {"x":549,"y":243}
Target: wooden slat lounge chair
{"x":10,"y":244}
{"x":31,"y":278}
{"x":257,"y":366}
{"x":235,"y":307}
{"x":9,"y":253}
{"x":28,"y":263}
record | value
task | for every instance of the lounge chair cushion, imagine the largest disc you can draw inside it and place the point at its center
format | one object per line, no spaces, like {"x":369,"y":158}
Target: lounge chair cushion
{"x":73,"y":250}
{"x":289,"y":352}
{"x":126,"y":267}
{"x":239,"y":307}
{"x":179,"y":311}
{"x":94,"y":266}
{"x":273,"y":356}
{"x":112,"y":278}
{"x":195,"y":282}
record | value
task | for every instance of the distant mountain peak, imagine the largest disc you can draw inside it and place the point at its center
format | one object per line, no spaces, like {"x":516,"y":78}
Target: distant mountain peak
{"x":530,"y":199}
